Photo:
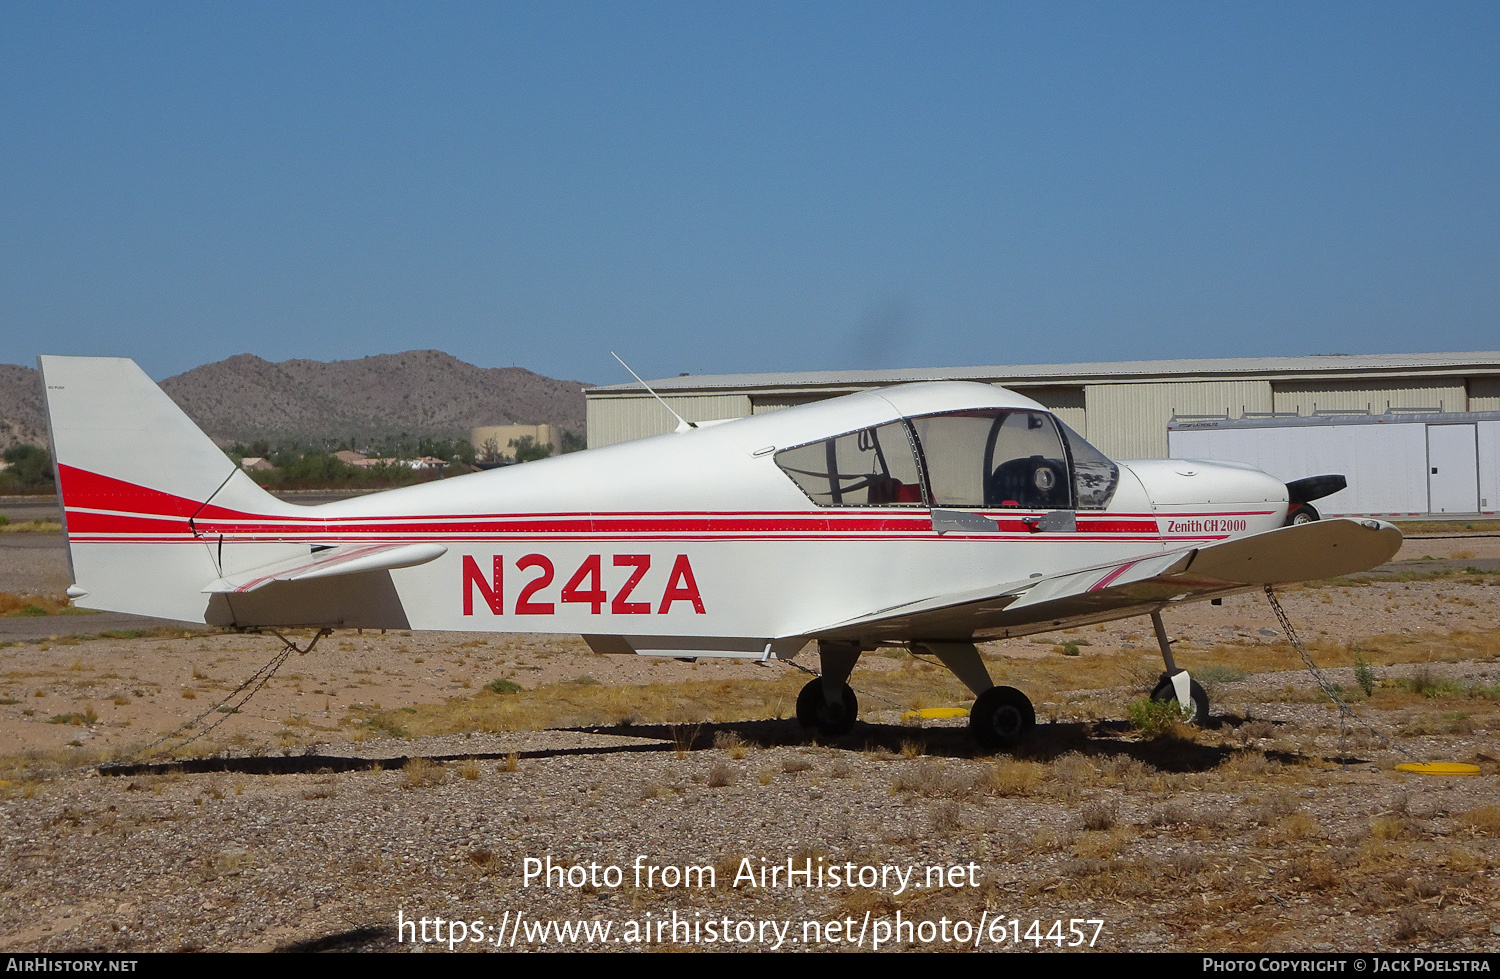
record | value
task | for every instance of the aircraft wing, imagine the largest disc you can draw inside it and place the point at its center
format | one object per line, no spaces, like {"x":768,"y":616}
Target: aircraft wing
{"x":328,"y":562}
{"x":1134,"y":587}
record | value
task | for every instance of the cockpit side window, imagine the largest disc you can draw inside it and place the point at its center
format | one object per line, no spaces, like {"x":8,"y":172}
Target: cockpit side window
{"x":995,"y":459}
{"x":871,"y":467}
{"x":1094,"y":476}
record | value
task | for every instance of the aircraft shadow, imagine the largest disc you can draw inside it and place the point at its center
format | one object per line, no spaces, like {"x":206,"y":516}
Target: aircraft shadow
{"x":373,"y":938}
{"x":1049,"y":741}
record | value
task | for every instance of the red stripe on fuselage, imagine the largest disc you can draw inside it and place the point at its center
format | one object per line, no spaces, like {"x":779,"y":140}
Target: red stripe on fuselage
{"x":149,"y":515}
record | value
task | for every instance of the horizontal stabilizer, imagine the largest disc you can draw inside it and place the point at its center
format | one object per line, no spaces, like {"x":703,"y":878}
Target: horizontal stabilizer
{"x":342,"y":560}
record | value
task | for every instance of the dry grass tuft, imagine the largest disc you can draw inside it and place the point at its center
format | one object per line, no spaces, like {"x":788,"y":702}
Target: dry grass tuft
{"x":1484,"y":821}
{"x":1184,"y":866}
{"x":721,"y":775}
{"x":1171,"y":814}
{"x":1009,"y":777}
{"x":732,"y":743}
{"x":1253,"y":730}
{"x":1103,"y":845}
{"x":1271,"y":809}
{"x":1410,"y":926}
{"x":1248,"y":765}
{"x":1293,"y":828}
{"x":575,"y":704}
{"x":1096,"y":817}
{"x":487,"y":861}
{"x":945,"y":819}
{"x":872,"y":901}
{"x":938,"y":780}
{"x":422,"y":773}
{"x":1075,"y":768}
{"x":11,"y":604}
{"x":1131,"y":774}
{"x":683,"y":738}
{"x":1047,"y":840}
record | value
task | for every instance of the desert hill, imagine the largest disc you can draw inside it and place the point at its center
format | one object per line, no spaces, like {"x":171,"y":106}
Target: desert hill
{"x":420,"y":393}
{"x":21,"y":416}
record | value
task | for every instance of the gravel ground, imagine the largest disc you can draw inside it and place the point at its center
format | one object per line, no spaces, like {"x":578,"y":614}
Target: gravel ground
{"x":1270,"y":830}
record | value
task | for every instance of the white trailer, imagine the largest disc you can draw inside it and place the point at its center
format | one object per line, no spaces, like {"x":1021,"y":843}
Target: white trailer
{"x":1397,"y":464}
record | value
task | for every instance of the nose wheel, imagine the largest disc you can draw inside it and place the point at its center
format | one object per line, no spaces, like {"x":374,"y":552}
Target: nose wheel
{"x":1166,"y":691}
{"x":1195,"y":712}
{"x":815,"y":709}
{"x":1001,"y":717}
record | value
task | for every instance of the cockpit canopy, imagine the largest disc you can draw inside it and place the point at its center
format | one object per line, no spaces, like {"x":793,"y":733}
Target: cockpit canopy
{"x":991,"y":458}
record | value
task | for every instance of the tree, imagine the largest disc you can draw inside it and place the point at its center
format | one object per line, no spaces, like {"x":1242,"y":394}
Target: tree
{"x":28,"y":466}
{"x":527,"y":449}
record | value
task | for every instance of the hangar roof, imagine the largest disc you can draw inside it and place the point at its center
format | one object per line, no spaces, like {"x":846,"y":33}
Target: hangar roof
{"x":1321,"y":366}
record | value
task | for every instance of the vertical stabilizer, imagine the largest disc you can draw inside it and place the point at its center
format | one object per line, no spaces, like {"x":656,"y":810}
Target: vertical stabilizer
{"x":108,"y":419}
{"x":133,"y":471}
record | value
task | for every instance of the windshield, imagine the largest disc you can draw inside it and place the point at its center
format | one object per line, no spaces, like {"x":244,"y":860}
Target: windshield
{"x":995,"y":459}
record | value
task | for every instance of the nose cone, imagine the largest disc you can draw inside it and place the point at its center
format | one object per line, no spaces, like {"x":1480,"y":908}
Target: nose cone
{"x":1189,"y":482}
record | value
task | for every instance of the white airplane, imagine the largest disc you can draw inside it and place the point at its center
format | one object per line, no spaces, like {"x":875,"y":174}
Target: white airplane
{"x":929,"y":516}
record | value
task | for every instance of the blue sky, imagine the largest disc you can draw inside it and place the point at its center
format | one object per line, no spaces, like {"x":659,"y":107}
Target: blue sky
{"x":721,"y":187}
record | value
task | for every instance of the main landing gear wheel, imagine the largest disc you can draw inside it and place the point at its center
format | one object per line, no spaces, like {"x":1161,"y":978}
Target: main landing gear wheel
{"x":814,"y":709}
{"x":1197,"y":714}
{"x":1000,"y":717}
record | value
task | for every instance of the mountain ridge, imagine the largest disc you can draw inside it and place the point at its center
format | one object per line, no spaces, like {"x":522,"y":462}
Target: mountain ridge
{"x":415,"y":394}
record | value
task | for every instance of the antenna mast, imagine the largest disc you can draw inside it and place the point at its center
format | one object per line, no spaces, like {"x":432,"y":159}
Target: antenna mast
{"x":682,"y":423}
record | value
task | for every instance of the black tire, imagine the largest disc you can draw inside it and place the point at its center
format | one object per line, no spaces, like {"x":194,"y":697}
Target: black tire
{"x":1166,"y":693}
{"x":814,"y":710}
{"x":1001,"y":717}
{"x":1303,"y":514}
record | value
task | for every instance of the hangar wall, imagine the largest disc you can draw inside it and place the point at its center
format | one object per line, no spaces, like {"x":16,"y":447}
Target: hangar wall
{"x":1129,"y":421}
{"x":1484,"y":394}
{"x":1311,"y":397}
{"x":622,"y":419}
{"x":1122,"y":408}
